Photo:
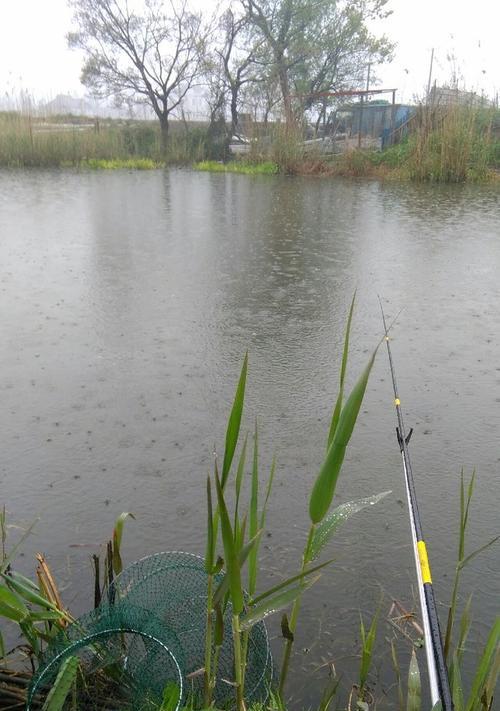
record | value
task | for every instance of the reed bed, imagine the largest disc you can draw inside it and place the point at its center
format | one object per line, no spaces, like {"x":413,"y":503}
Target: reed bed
{"x":27,"y":141}
{"x":453,"y":144}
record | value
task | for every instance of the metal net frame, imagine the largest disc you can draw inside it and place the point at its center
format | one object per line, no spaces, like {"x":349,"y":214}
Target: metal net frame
{"x":173,"y":586}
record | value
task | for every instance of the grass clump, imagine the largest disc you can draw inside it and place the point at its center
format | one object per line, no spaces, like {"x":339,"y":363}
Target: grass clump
{"x":121,"y":164}
{"x":243,"y":167}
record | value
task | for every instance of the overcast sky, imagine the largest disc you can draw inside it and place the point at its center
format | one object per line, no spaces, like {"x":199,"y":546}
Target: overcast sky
{"x":34,"y":56}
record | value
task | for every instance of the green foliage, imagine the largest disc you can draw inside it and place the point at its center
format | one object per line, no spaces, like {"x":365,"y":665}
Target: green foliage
{"x":62,"y":685}
{"x":117,"y":541}
{"x":264,"y":168}
{"x":234,"y":423}
{"x":326,"y":481}
{"x":413,"y":702}
{"x":451,"y":145}
{"x":121,"y":164}
{"x":367,"y":644}
{"x":27,"y":141}
{"x":325,"y":530}
{"x":338,"y":405}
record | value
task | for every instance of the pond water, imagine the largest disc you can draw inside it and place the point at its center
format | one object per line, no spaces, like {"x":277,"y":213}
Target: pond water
{"x":128,"y":300}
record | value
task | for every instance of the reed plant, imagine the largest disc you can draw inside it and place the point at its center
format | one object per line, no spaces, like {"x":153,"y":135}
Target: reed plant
{"x":451,"y":144}
{"x":32,"y":141}
{"x":241,"y":533}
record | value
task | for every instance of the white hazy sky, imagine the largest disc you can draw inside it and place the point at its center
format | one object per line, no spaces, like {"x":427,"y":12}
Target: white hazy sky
{"x":34,"y":56}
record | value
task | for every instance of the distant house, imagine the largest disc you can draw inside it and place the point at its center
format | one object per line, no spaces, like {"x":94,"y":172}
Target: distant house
{"x":448,"y":96}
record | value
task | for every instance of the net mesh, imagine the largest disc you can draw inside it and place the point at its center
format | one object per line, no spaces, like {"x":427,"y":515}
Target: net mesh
{"x":173,"y":586}
{"x":128,"y":659}
{"x":148,"y":640}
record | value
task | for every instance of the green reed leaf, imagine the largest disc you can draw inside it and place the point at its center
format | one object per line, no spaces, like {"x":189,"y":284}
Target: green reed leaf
{"x":230,"y":552}
{"x":456,"y":684}
{"x":223,"y":586}
{"x":484,"y":665}
{"x":239,"y":534}
{"x":340,"y":396}
{"x":30,"y":595}
{"x":368,"y":641}
{"x":239,"y":476}
{"x":47,"y":615}
{"x":11,"y":606}
{"x":117,"y":540}
{"x":491,"y":681}
{"x":218,"y":626}
{"x":274,"y":604}
{"x":324,"y":486}
{"x":286,"y":583}
{"x":254,"y":515}
{"x":413,"y":702}
{"x":7,"y":560}
{"x":234,"y":422}
{"x":325,"y":530}
{"x":210,"y":547}
{"x":24,"y":580}
{"x":475,"y":553}
{"x":270,"y":482}
{"x":62,"y":685}
{"x":170,"y":697}
{"x":465,"y":625}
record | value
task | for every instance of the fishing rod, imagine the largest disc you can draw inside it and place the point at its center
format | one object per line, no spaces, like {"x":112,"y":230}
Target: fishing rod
{"x":436,"y":665}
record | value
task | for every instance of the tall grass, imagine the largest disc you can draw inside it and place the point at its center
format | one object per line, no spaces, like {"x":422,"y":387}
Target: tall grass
{"x":452,"y":144}
{"x":27,"y":141}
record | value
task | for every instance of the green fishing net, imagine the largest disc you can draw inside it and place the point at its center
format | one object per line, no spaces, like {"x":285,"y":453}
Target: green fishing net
{"x":144,"y":649}
{"x":128,"y":660}
{"x":173,"y":586}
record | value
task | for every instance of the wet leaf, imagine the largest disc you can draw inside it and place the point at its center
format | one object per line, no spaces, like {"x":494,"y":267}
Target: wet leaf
{"x":414,"y":685}
{"x":11,"y":606}
{"x":325,"y":530}
{"x":484,"y":665}
{"x":340,"y":396}
{"x":210,"y":547}
{"x":274,"y":604}
{"x":230,"y":552}
{"x":62,"y":685}
{"x":324,"y":486}
{"x":117,"y":540}
{"x":234,"y":422}
{"x":254,"y":516}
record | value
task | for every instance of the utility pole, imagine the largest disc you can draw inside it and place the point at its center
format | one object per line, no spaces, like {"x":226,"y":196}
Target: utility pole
{"x":430,"y":74}
{"x":361,"y":105}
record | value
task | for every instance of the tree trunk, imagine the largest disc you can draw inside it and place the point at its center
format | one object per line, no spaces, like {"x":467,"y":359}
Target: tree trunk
{"x":164,"y":135}
{"x":287,"y":99}
{"x":234,"y":110}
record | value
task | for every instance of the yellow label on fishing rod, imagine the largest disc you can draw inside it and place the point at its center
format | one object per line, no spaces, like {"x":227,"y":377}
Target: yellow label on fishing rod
{"x":424,"y":562}
{"x":397,"y":401}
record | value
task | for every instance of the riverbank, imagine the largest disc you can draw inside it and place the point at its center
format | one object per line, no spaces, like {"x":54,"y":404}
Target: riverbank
{"x":455,"y":146}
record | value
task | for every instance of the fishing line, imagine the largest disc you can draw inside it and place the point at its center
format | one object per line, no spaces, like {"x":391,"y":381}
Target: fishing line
{"x":438,"y":674}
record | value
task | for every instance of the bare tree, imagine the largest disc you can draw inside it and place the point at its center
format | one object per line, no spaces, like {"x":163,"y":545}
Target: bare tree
{"x":154,"y":56}
{"x":239,"y":58}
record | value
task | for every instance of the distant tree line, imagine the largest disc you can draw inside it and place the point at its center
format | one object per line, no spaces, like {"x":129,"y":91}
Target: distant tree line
{"x":268,"y":57}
